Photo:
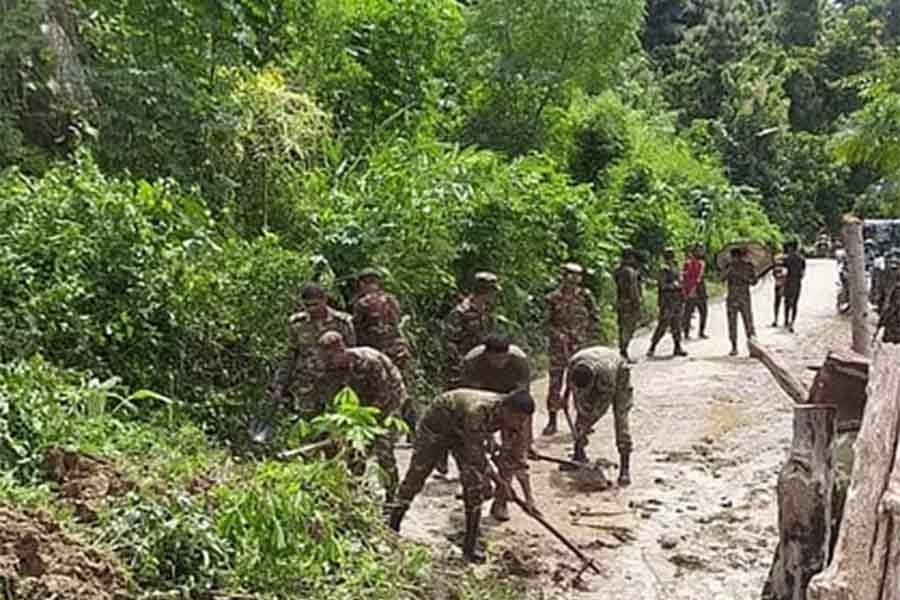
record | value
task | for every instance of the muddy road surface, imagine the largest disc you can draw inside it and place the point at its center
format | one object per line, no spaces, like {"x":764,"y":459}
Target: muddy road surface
{"x":699,"y":520}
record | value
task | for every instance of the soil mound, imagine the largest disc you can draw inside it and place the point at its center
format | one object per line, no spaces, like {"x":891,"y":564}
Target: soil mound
{"x":84,"y":481}
{"x":39,"y":561}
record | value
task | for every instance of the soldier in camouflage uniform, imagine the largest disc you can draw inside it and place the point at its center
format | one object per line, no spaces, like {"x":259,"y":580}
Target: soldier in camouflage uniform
{"x":377,"y":382}
{"x":890,"y":316}
{"x":462,"y":421}
{"x":671,"y":305}
{"x":300,"y":375}
{"x":598,"y":378}
{"x":571,"y":315}
{"x":740,"y":276}
{"x":468,"y":324}
{"x":376,"y":318}
{"x":886,"y":281}
{"x":501,"y":367}
{"x":628,"y":299}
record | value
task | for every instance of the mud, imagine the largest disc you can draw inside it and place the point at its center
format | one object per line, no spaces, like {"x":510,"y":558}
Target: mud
{"x":84,"y":482}
{"x":711,"y":433}
{"x":38,"y":561}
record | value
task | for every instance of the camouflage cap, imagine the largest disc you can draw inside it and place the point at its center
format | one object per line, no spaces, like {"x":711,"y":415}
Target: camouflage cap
{"x":573,"y":268}
{"x":330,"y":339}
{"x":629,"y":251}
{"x":486,"y":280}
{"x":369,"y":272}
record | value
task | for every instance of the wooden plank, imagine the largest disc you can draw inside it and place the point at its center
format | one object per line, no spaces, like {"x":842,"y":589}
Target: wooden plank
{"x":791,"y":385}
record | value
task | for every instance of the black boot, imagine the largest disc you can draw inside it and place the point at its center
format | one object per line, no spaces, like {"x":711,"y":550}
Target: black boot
{"x":679,"y":351}
{"x":442,"y":465}
{"x":397,"y":514}
{"x":470,"y":542}
{"x":624,"y":469}
{"x":578,"y":456}
{"x":550,"y":429}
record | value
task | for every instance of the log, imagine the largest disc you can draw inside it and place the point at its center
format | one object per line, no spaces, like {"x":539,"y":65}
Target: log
{"x":792,"y":386}
{"x":866,"y":564}
{"x":804,"y":504}
{"x":856,"y":271}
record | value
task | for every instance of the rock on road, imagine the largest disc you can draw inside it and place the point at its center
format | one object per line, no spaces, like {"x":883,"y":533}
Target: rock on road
{"x":710,"y":434}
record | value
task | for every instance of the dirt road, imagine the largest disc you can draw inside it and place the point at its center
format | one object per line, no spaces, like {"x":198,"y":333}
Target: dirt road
{"x":711,"y":433}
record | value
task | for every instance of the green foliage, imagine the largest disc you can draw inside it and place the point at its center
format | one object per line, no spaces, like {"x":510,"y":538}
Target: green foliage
{"x":526,"y":55}
{"x":301,"y":529}
{"x":262,"y":134}
{"x":168,"y":543}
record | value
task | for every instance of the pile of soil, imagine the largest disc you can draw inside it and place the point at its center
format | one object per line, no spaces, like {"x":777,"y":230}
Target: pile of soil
{"x":85,"y":482}
{"x":38,"y":561}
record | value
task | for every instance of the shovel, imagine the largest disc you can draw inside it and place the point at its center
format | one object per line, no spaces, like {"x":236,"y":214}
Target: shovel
{"x":261,"y":427}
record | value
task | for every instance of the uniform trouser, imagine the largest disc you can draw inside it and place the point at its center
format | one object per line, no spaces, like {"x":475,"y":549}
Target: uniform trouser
{"x":560,"y":353}
{"x":779,"y":295}
{"x":383,"y":448}
{"x":744,"y":308}
{"x":699,"y":304}
{"x":670,"y":315}
{"x":428,"y":450}
{"x":791,"y":299}
{"x":628,"y":321}
{"x":404,"y":364}
{"x":621,"y":407}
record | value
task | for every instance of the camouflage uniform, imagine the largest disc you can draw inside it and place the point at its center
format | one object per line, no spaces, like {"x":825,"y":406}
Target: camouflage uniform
{"x":671,"y":307}
{"x":890,"y":317}
{"x":376,"y":317}
{"x":628,"y":304}
{"x":459,"y":421}
{"x":479,"y":374}
{"x":572,"y":319}
{"x":612,"y":387}
{"x":886,"y":281}
{"x":378,"y":383}
{"x":740,"y":276}
{"x":301,"y":374}
{"x":467,"y":325}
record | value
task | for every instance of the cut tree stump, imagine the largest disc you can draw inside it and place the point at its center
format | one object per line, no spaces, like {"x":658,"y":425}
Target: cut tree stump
{"x":804,"y":504}
{"x":856,"y":271}
{"x":866,"y":564}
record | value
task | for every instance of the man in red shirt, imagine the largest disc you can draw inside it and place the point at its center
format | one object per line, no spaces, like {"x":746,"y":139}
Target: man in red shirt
{"x":694,"y":285}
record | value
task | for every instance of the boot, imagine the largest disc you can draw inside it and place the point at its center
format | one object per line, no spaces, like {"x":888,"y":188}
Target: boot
{"x":470,"y":541}
{"x":500,"y":510}
{"x":397,"y":514}
{"x":578,"y":456}
{"x":734,"y":350}
{"x":624,"y":469}
{"x":442,"y":467}
{"x":679,"y":351}
{"x":550,"y":429}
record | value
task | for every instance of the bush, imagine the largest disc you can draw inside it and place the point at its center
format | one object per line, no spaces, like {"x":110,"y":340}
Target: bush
{"x":302,"y":530}
{"x":132,"y":280}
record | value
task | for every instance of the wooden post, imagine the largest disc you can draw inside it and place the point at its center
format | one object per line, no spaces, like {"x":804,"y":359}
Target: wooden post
{"x":804,"y":504}
{"x":866,"y":563}
{"x":856,"y":271}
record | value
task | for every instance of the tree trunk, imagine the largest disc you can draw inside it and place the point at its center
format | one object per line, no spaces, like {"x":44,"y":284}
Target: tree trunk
{"x":866,"y":563}
{"x":856,"y":270}
{"x":804,"y":504}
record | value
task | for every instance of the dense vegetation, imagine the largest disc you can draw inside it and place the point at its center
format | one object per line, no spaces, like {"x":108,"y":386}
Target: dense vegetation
{"x":171,"y":172}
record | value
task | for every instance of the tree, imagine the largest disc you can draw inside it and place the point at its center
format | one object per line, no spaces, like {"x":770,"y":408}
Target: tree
{"x":524,"y":56}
